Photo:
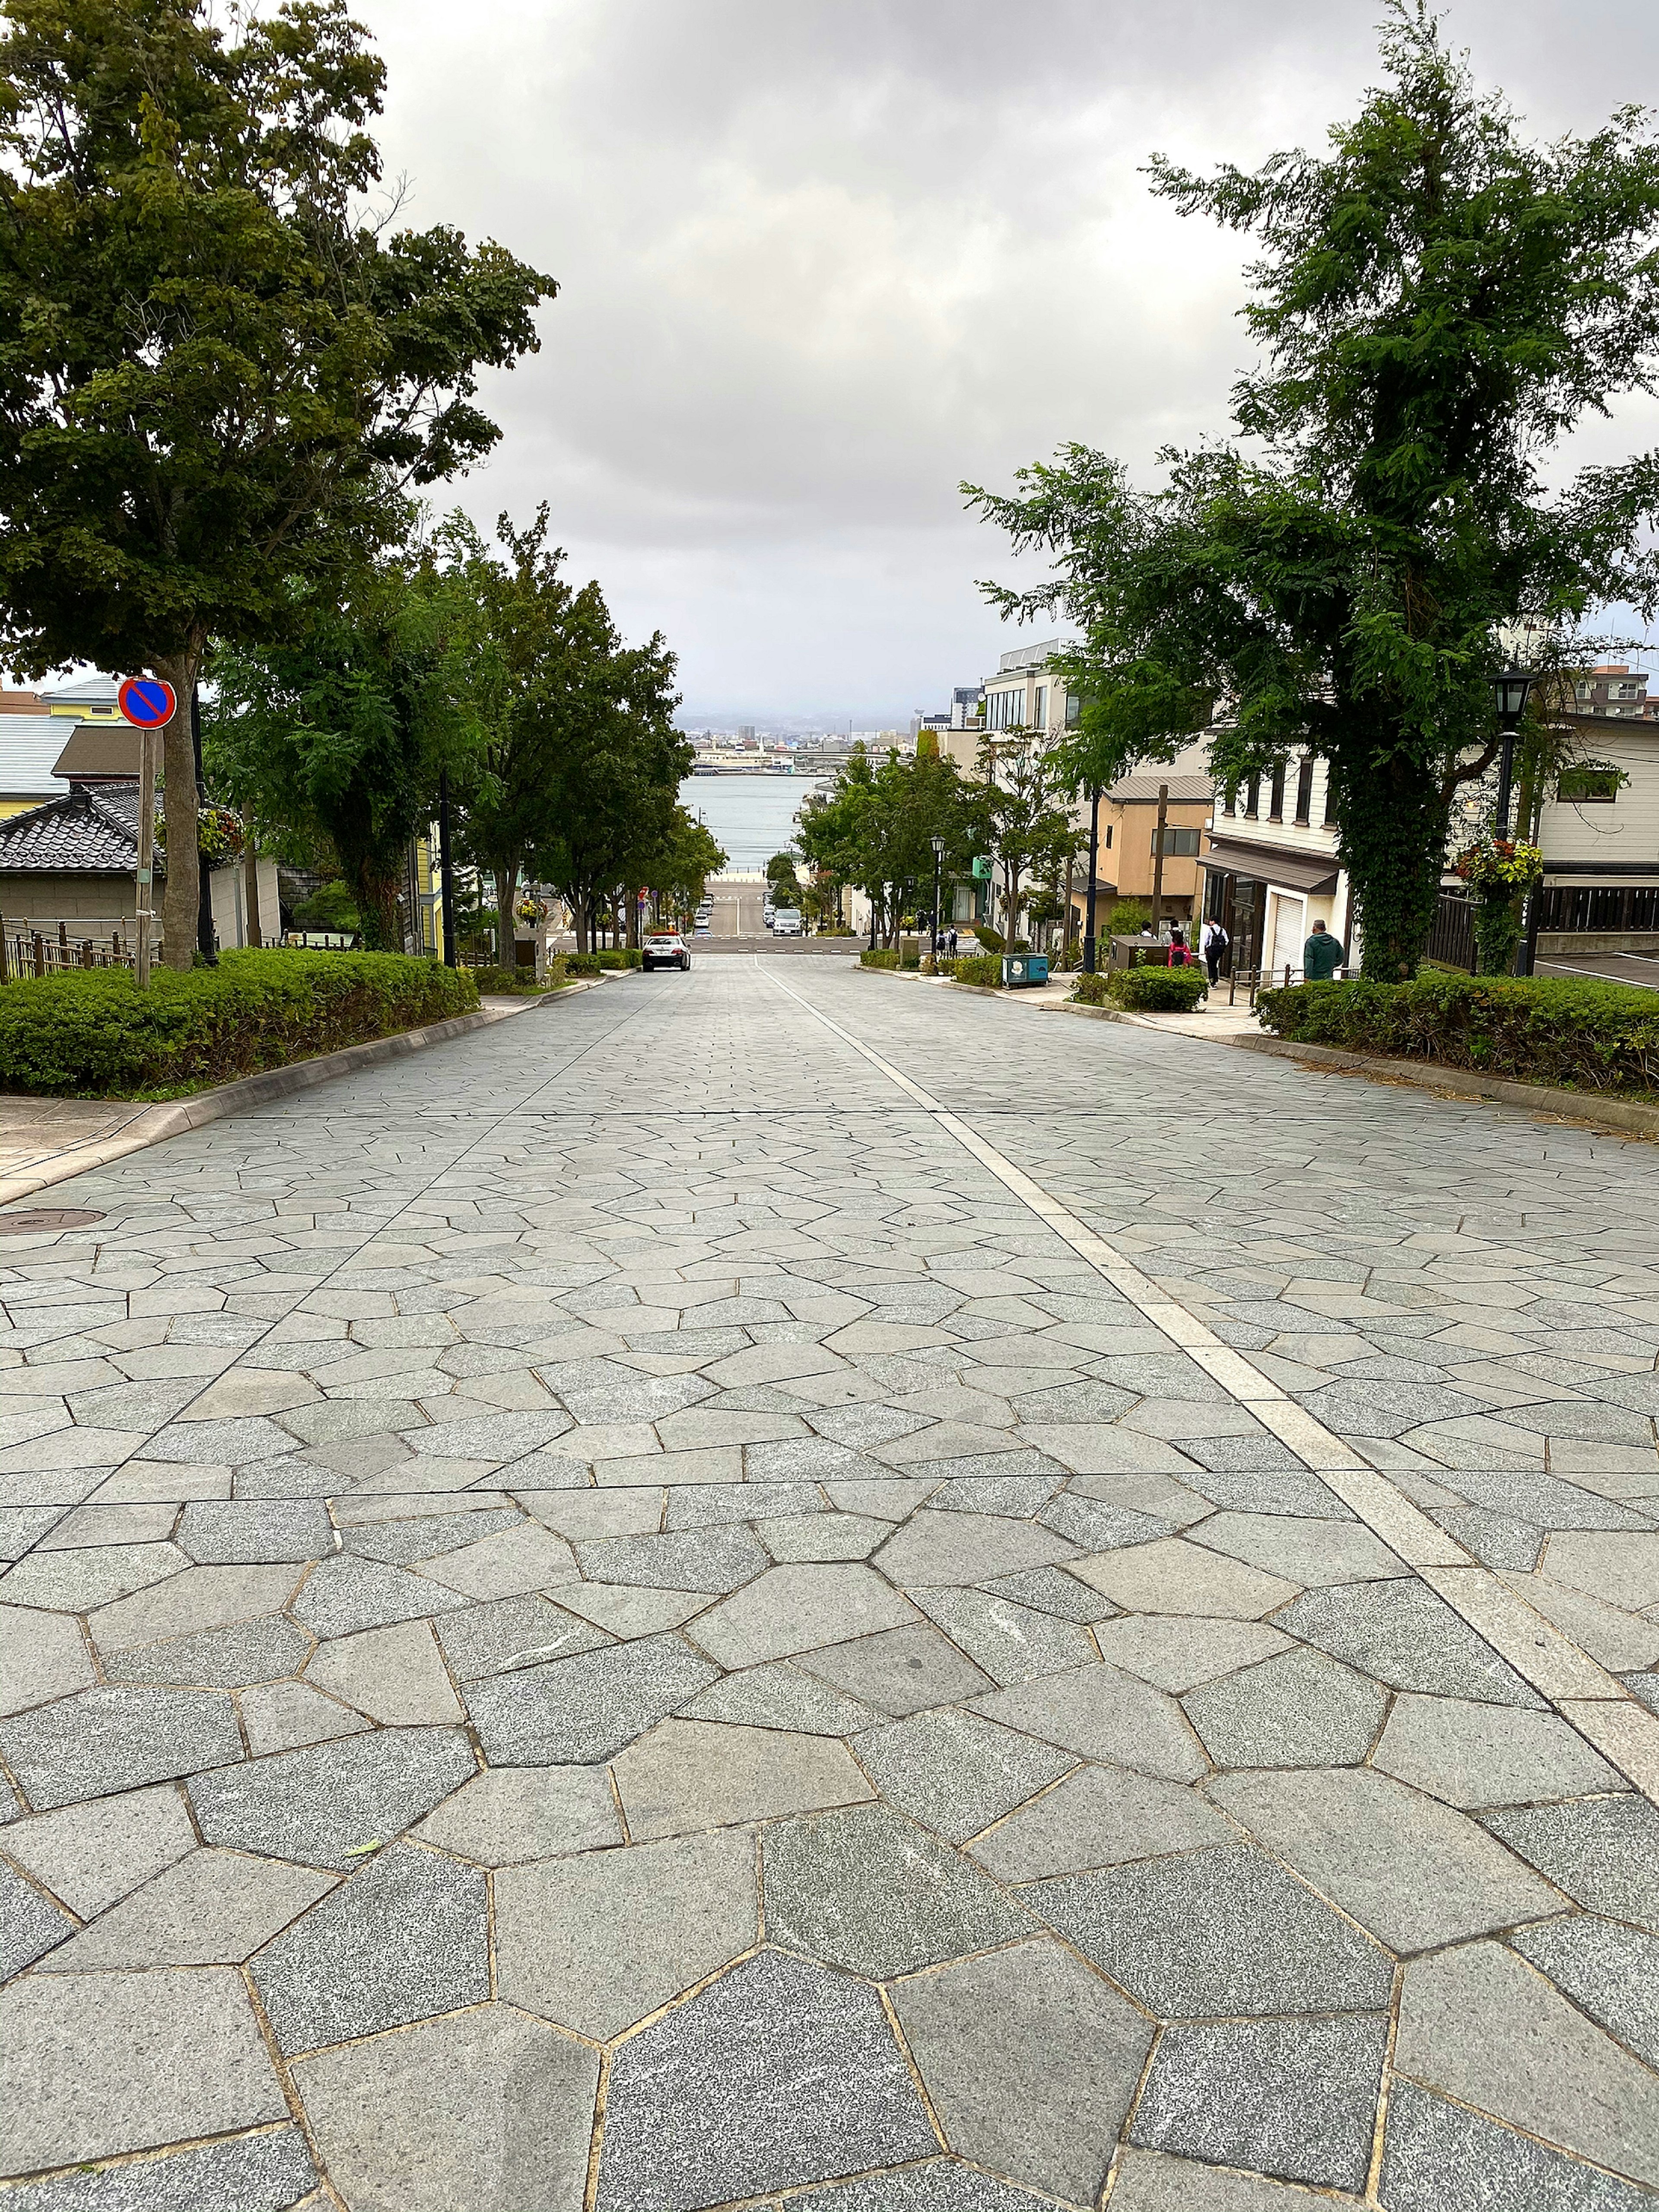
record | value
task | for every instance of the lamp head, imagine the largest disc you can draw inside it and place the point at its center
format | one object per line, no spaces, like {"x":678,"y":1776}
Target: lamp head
{"x":1509,"y":689}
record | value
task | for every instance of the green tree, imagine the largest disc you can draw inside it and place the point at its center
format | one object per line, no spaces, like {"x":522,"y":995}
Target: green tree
{"x":1437,"y":301}
{"x":216,"y":374}
{"x":334,"y":742}
{"x":876,"y":825}
{"x":1031,"y":827}
{"x":676,"y":872}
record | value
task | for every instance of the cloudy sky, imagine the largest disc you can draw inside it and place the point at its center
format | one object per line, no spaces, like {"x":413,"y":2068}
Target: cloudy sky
{"x":822,"y":259}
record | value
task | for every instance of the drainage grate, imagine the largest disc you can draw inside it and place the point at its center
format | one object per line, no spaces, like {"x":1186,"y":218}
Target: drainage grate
{"x":45,"y":1217}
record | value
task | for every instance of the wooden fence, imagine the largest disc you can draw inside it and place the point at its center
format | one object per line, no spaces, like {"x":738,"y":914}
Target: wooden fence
{"x":27,"y":951}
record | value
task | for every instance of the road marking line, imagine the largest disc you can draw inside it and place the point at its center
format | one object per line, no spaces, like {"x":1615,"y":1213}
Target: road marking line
{"x":1596,"y":1702}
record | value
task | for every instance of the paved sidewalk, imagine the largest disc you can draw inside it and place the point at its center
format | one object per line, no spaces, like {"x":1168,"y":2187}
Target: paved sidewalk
{"x":615,"y":1615}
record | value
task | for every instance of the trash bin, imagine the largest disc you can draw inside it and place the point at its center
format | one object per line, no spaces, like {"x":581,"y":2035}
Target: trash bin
{"x":1020,"y":969}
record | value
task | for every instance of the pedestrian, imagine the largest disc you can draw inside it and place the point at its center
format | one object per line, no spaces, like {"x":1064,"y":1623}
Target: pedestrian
{"x":951,"y":941}
{"x":1178,"y":955}
{"x":1322,"y":955}
{"x":1214,"y":946}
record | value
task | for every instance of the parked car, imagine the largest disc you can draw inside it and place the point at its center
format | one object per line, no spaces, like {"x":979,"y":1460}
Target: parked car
{"x":665,"y":949}
{"x":786,"y":922}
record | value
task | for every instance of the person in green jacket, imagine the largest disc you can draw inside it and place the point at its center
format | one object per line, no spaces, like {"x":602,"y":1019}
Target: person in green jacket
{"x":1322,"y":955}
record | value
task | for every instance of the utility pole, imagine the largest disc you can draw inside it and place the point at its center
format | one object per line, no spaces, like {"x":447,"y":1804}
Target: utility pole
{"x":939,"y":854}
{"x":1158,"y":856}
{"x":1094,"y":870}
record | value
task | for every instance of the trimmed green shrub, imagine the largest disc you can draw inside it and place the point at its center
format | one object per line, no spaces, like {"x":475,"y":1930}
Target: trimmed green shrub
{"x":581,"y":964}
{"x":1091,"y":990}
{"x":1577,"y":1035}
{"x":1128,"y":917}
{"x":992,"y":940}
{"x":1158,"y":990}
{"x":618,"y":956}
{"x":94,"y":1034}
{"x":877,"y":958}
{"x":981,"y":968}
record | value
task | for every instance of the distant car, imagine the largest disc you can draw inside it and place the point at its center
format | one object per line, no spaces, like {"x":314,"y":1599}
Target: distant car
{"x":665,"y":949}
{"x":786,"y":922}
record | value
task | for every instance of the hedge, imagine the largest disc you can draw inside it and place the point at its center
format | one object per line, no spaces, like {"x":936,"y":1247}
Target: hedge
{"x":92,"y":1033}
{"x":979,"y":968}
{"x":877,"y":959}
{"x":1143,"y":990}
{"x":1577,"y":1035}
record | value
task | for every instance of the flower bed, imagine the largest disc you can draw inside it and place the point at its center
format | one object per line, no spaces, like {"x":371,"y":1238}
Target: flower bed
{"x":94,"y":1034}
{"x":1574,"y":1035}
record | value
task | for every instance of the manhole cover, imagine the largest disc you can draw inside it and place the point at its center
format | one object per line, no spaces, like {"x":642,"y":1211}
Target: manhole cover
{"x":50,"y":1217}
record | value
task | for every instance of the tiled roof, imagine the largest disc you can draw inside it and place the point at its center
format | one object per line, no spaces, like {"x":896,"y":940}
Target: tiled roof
{"x":89,"y":691}
{"x":1184,"y":789}
{"x":83,"y":834}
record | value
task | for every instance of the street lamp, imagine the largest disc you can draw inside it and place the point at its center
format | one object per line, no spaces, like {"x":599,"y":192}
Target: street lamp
{"x":1510,"y":690}
{"x":939,"y":857}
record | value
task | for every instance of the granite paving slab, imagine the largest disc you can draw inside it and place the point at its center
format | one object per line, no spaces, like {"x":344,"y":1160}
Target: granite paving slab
{"x":270,"y":2171}
{"x":323,"y":1805}
{"x":578,"y":1710}
{"x":104,"y":1740}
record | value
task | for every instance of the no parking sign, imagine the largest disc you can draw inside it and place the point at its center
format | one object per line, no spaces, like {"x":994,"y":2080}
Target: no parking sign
{"x":146,"y":702}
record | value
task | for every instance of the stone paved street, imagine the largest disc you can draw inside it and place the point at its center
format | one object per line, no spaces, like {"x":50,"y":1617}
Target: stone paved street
{"x":624,"y":1615}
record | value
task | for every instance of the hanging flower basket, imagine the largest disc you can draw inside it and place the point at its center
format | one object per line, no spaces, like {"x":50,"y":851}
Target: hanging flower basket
{"x":1500,"y":867}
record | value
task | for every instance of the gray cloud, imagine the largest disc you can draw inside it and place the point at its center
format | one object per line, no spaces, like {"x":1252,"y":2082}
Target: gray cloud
{"x":822,"y":259}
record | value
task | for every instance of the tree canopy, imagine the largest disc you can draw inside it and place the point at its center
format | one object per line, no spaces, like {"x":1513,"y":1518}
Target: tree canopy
{"x":218,"y":374}
{"x":874,"y":827}
{"x":1437,"y":302}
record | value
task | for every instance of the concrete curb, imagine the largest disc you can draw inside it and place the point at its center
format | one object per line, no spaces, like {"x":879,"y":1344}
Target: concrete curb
{"x":154,"y":1125}
{"x":1629,"y":1115}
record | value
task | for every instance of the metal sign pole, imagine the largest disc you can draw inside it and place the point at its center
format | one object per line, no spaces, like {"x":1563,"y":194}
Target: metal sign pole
{"x":146,"y":855}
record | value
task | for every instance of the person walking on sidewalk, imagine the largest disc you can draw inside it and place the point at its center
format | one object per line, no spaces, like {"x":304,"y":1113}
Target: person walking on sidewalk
{"x":1213,"y":944}
{"x":1322,"y":955}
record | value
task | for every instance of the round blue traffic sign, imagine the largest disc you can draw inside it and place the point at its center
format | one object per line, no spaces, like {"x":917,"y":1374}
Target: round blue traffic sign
{"x":146,"y":702}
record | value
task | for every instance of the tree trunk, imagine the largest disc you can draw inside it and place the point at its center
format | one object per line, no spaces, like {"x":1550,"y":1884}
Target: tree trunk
{"x":633,"y":919}
{"x":256,"y":935}
{"x":1391,"y":836}
{"x":507,"y":927}
{"x":181,"y":893}
{"x":377,"y":910}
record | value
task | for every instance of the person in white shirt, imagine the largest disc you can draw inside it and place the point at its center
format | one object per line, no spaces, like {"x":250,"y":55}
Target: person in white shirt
{"x":1213,"y":945}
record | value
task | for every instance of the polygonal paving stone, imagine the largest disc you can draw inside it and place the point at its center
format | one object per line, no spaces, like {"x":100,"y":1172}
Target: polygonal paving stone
{"x":716,"y":1504}
{"x":1295,"y":2098}
{"x":42,"y":1656}
{"x":1051,"y":1589}
{"x":511,"y":1633}
{"x":1473,"y":1754}
{"x":222,"y":1658}
{"x":101,"y":2064}
{"x":1603,"y":1851}
{"x":286,"y":1716}
{"x":1528,"y":1494}
{"x":1405,"y":1635}
{"x":211,"y":1909}
{"x":186,"y":1604}
{"x":597,"y":1942}
{"x":1620,"y":1569}
{"x":1101,"y":1712}
{"x":1012,"y":1643}
{"x":686,"y":1775}
{"x":219,"y":1443}
{"x":406,"y":1937}
{"x":1100,"y":1816}
{"x":580,"y":1711}
{"x":515,"y":1813}
{"x":1288,"y":1489}
{"x":268,"y":2173}
{"x":629,"y":1614}
{"x":490,"y":1436}
{"x":1297,"y":1710}
{"x":233,"y":1532}
{"x":717,"y":1560}
{"x":780,"y":1695}
{"x":1095,"y":1524}
{"x":489,"y":2110}
{"x":1157,"y":2181}
{"x":80,"y":1581}
{"x":790,"y":1610}
{"x":1176,"y":1576}
{"x":868,"y":1890}
{"x":346,"y":1594}
{"x":1480,"y":2025}
{"x":1222,"y":1931}
{"x":119,"y":1738}
{"x":899,"y":1669}
{"x":1030,"y":2062}
{"x":783,"y":2072}
{"x":1438,"y":2157}
{"x":321,"y":1805}
{"x":805,"y":1537}
{"x":30,"y":1924}
{"x":393,"y":1675}
{"x":1310,"y":1552}
{"x":966,"y":1547}
{"x":90,"y":1855}
{"x":1609,"y":1971}
{"x":1177,"y":1653}
{"x":1020,"y":1496}
{"x":954,"y":1772}
{"x":426,"y":1536}
{"x":506,"y":1565}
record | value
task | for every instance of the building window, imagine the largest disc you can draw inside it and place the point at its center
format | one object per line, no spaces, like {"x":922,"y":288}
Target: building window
{"x":1304,"y":788}
{"x":1007,"y":709}
{"x":1328,"y":814}
{"x":1040,"y":711}
{"x":1073,"y":710}
{"x":1588,"y":786}
{"x":1583,"y":693}
{"x":1229,"y":799}
{"x":1252,"y":798}
{"x":1108,"y":836}
{"x":1183,"y":842}
{"x":1276,"y":796}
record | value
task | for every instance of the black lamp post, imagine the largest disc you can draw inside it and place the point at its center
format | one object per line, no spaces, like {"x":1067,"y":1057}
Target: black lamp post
{"x":1094,"y":870}
{"x":938,"y":856}
{"x":1509,"y":689}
